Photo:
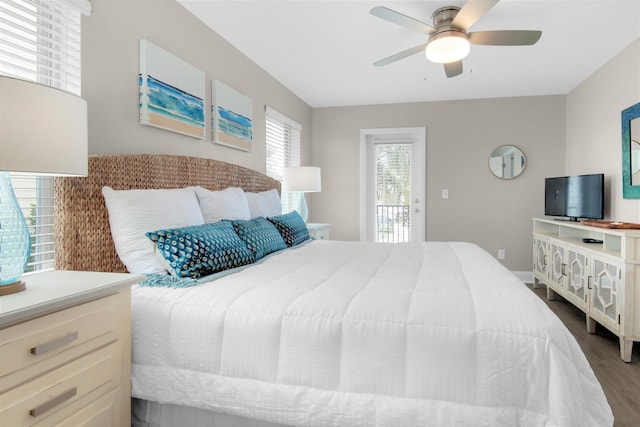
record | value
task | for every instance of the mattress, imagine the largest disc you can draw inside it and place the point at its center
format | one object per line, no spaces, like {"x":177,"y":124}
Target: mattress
{"x":356,"y":334}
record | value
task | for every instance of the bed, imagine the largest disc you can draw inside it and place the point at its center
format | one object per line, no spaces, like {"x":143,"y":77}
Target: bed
{"x":327,"y":333}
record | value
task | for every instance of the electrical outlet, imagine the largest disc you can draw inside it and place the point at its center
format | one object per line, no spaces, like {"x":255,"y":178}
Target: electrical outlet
{"x":501,"y":254}
{"x":445,"y":193}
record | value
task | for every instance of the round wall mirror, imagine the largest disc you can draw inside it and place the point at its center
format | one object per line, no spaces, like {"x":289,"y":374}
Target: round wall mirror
{"x":507,"y":162}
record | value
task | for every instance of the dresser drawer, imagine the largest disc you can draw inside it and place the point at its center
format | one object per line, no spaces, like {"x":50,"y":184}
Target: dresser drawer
{"x":64,"y":391}
{"x":42,"y":344}
{"x":101,"y":412}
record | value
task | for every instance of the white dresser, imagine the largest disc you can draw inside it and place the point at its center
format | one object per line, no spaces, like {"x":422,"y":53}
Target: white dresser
{"x":65,"y":350}
{"x":602,"y":279}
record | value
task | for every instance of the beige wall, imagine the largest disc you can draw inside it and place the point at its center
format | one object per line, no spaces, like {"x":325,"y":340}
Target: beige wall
{"x":594,"y":127}
{"x":110,"y":39}
{"x":493,"y":213}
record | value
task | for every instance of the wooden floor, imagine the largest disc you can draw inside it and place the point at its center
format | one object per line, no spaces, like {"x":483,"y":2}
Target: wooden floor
{"x":620,"y":381}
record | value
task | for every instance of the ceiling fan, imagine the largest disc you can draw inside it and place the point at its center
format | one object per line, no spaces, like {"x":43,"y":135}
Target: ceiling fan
{"x":449,"y":41}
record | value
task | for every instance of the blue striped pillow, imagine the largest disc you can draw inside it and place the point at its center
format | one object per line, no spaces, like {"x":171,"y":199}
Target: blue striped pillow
{"x":200,"y":250}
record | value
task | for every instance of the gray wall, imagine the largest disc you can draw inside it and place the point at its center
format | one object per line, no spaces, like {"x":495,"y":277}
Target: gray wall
{"x":594,"y":127}
{"x":493,"y":213}
{"x":579,"y":137}
{"x":110,"y":39}
{"x":585,"y":124}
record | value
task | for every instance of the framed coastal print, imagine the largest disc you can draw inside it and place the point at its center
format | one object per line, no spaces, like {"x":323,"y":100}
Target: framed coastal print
{"x":172,"y":92}
{"x":231,"y":113}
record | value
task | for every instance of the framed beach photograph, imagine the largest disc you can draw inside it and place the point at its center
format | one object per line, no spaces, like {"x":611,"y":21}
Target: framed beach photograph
{"x":171,"y":92}
{"x":232,"y":114}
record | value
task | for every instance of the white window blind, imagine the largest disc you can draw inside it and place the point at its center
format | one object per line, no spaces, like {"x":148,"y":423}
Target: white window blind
{"x":40,"y":42}
{"x":283,"y":149}
{"x":393,"y":192}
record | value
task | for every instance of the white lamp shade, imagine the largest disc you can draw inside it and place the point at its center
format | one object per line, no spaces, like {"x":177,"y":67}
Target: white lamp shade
{"x":43,"y":130}
{"x":302,"y":178}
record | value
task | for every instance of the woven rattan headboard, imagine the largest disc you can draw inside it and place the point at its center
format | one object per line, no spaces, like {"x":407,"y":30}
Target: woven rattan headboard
{"x":82,"y":235}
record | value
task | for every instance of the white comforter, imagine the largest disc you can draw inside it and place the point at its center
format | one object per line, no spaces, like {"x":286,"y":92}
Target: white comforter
{"x":352,"y":334}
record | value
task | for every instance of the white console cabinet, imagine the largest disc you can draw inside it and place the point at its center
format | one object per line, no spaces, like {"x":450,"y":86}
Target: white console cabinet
{"x":602,"y":279}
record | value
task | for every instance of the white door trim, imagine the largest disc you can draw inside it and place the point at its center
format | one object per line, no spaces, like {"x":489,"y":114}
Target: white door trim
{"x":419,"y":136}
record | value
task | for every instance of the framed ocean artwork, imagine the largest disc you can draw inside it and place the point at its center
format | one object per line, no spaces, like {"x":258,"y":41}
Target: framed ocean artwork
{"x":232,"y":114}
{"x":172,"y":92}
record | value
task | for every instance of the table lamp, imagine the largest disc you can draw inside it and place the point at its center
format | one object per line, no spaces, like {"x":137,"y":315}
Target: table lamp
{"x":43,"y":131}
{"x":305,"y":179}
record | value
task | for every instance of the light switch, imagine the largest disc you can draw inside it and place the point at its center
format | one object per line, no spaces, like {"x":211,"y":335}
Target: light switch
{"x":445,"y":193}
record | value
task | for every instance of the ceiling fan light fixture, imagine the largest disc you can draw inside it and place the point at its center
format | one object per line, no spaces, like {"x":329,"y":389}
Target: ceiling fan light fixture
{"x":448,"y":46}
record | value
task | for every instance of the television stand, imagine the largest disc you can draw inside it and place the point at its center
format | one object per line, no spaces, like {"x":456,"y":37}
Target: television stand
{"x":598,"y":278}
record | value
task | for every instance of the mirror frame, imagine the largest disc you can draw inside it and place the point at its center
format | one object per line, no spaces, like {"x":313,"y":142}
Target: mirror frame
{"x":628,"y":191}
{"x":521,"y":170}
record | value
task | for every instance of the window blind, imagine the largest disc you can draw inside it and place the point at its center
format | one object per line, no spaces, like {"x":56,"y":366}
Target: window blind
{"x":393,"y":192}
{"x":40,"y":42}
{"x":283,"y":149}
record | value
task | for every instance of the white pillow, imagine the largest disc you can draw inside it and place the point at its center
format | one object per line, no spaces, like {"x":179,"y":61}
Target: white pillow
{"x":266,"y":203}
{"x":230,"y":203}
{"x":132,"y":213}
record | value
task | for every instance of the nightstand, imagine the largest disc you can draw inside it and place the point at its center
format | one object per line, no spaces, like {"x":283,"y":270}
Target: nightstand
{"x":319,"y":231}
{"x":65,"y":347}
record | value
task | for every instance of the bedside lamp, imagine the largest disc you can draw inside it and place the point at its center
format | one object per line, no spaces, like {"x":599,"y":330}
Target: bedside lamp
{"x":305,"y":179}
{"x":43,"y":131}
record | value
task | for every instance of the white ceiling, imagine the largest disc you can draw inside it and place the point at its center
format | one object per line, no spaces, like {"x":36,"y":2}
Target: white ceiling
{"x":323,"y":50}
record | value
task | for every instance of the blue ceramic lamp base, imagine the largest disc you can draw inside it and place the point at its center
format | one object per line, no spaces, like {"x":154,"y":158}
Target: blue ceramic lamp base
{"x":15,"y":240}
{"x":303,"y":210}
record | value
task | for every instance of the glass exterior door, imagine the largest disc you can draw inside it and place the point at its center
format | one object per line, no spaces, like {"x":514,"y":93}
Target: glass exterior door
{"x":392,"y":185}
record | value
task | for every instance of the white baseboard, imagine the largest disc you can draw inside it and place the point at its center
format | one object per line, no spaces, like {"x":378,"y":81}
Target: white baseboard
{"x":525,"y":276}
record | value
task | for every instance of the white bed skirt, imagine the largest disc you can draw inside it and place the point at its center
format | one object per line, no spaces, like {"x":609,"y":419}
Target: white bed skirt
{"x":153,"y":414}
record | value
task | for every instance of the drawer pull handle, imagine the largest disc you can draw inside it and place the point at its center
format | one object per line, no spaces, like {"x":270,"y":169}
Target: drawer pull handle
{"x":41,"y":409}
{"x":54,"y":344}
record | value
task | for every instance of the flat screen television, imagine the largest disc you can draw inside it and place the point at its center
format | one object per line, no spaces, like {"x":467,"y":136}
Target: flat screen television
{"x":574,"y":197}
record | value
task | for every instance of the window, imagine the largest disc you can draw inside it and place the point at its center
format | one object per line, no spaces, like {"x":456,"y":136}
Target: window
{"x":393,"y":192}
{"x":283,"y":149}
{"x":40,"y":42}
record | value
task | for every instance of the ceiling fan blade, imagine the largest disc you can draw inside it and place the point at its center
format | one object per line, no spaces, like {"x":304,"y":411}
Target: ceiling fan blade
{"x":505,"y":37}
{"x":401,"y":55}
{"x":453,"y":69}
{"x":471,"y":12}
{"x":402,"y":20}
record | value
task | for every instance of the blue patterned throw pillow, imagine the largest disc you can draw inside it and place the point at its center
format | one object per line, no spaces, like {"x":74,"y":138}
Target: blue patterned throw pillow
{"x":260,"y":235}
{"x":201,"y":250}
{"x":291,"y":227}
